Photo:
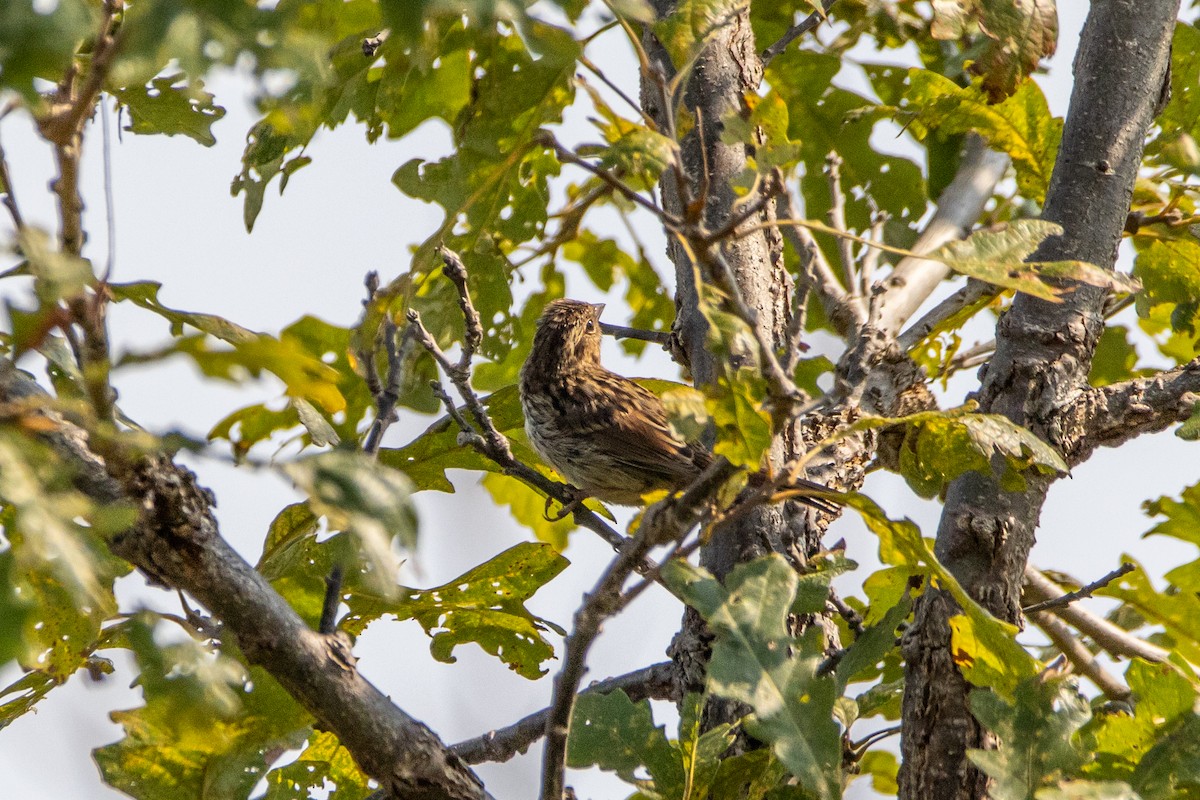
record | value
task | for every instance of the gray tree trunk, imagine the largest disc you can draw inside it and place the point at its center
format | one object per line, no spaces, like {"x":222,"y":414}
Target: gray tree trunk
{"x":1043,"y":355}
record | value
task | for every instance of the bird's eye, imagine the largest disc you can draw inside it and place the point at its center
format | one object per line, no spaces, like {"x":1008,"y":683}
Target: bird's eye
{"x":591,"y":325}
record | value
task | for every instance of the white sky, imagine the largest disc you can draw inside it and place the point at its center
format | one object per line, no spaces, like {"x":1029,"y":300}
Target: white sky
{"x":177,"y":224}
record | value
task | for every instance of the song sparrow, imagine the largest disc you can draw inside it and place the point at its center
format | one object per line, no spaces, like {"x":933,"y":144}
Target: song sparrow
{"x":606,"y":434}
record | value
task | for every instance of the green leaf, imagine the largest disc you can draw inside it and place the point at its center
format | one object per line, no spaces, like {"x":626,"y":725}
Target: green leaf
{"x":756,"y":661}
{"x":57,"y":275}
{"x":484,"y":605}
{"x":1020,"y":126}
{"x":529,"y":508}
{"x":825,"y":119}
{"x":862,"y":657}
{"x":691,"y":25}
{"x":1177,"y":611}
{"x":169,"y":105}
{"x":617,"y":735}
{"x":939,"y":446}
{"x":612,"y":732}
{"x":367,"y":499}
{"x":882,"y":768}
{"x":1170,"y":271}
{"x":324,"y":761}
{"x":1089,"y":790}
{"x":39,"y":40}
{"x":1175,"y":146}
{"x":1171,"y":769}
{"x":1038,"y":733}
{"x":208,"y":726}
{"x":998,"y":258}
{"x":60,"y":570}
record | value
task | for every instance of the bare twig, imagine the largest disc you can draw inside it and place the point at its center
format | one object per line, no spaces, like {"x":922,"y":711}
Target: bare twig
{"x":845,"y":315}
{"x":796,"y":31}
{"x":8,"y":193}
{"x":655,"y":682}
{"x":62,"y":126}
{"x":837,"y":219}
{"x":1112,"y":639}
{"x":1081,"y":592}
{"x":974,"y":292}
{"x":621,"y":332}
{"x":668,"y":220}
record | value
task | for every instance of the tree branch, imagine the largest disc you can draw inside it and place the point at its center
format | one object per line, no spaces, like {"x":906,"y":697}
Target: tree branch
{"x":1080,"y":657}
{"x":1080,"y":593}
{"x":1043,"y":353}
{"x":796,"y":31}
{"x":913,"y":280}
{"x":656,"y":682}
{"x":1109,"y":637}
{"x":177,"y":542}
{"x":1112,"y":415}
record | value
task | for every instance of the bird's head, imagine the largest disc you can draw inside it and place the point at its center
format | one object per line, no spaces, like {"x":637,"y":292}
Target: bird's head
{"x":568,"y":332}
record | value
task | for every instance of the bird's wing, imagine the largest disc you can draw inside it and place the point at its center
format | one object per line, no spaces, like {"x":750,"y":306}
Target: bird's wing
{"x":632,"y":428}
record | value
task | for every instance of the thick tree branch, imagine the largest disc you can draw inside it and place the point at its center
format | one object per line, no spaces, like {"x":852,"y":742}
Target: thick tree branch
{"x":914,"y":279}
{"x":1043,"y":354}
{"x":176,"y":542}
{"x":656,"y":682}
{"x":1114,"y":414}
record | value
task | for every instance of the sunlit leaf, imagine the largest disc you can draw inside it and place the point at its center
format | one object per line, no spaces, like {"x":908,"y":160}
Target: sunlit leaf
{"x":1037,"y":734}
{"x":367,"y":499}
{"x":170,"y":106}
{"x":485,"y":605}
{"x":756,"y":661}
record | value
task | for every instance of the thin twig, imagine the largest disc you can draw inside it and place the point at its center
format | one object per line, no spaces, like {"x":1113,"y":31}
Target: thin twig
{"x":796,"y":31}
{"x":9,"y":196}
{"x":668,"y":220}
{"x":1109,"y":637}
{"x":1081,"y":592}
{"x":618,"y":91}
{"x":656,"y":682}
{"x":974,"y":292}
{"x":845,"y":315}
{"x":852,"y":617}
{"x":770,"y":188}
{"x":837,"y":220}
{"x":621,"y":332}
{"x":110,"y":218}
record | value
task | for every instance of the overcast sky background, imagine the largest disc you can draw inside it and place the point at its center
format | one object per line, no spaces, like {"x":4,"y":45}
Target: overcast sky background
{"x":177,"y":223}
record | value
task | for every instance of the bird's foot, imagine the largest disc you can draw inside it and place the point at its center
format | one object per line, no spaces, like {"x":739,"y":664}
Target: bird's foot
{"x":577,"y":497}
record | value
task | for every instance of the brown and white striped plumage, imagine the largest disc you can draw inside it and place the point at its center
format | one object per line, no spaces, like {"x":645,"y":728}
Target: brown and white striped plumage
{"x":606,"y":434}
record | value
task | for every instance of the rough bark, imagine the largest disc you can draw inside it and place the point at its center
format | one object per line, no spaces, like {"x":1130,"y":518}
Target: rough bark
{"x":728,"y":68}
{"x":1041,"y":364}
{"x":177,"y":543}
